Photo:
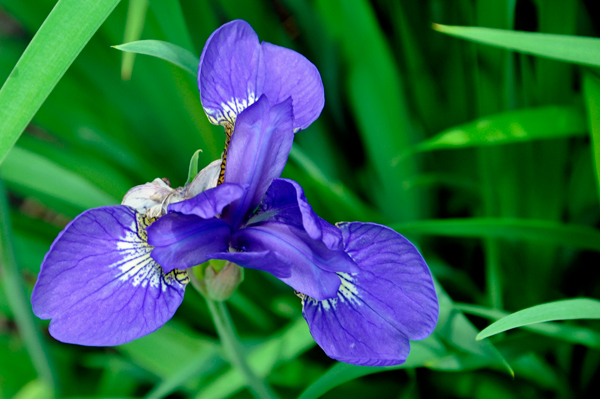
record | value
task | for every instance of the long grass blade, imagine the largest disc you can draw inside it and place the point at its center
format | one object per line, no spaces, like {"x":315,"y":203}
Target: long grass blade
{"x":136,"y":16}
{"x":569,"y":309}
{"x":508,"y":127}
{"x":591,"y":86}
{"x":575,"y":49}
{"x":18,"y":301}
{"x":167,"y":51}
{"x":576,"y":236}
{"x":568,"y":333}
{"x":63,"y":35}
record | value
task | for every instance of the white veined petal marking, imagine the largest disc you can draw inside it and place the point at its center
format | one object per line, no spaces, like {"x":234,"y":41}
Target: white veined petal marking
{"x":348,"y":292}
{"x":136,"y":264}
{"x":229,"y":110}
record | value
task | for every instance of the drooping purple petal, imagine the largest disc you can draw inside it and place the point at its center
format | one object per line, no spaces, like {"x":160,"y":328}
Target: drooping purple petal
{"x":285,"y":202}
{"x":181,"y":241}
{"x":377,"y":310}
{"x":235,"y":70}
{"x":228,"y":74}
{"x":99,"y":284}
{"x":209,"y":203}
{"x":257,"y":154}
{"x":290,"y":74}
{"x":313,"y":265}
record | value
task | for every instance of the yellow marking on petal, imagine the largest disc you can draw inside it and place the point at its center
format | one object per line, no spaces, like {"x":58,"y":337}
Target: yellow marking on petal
{"x":228,"y":133}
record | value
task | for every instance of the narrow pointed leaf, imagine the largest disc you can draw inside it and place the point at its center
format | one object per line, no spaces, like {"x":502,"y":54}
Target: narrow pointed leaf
{"x":167,"y":51}
{"x":575,"y":49}
{"x":134,"y":25}
{"x":591,"y":86}
{"x":568,"y":333}
{"x":63,"y":35}
{"x":572,"y":235}
{"x":510,"y":127}
{"x":340,"y":373}
{"x":569,"y":309}
{"x":18,"y":300}
{"x":36,"y":174}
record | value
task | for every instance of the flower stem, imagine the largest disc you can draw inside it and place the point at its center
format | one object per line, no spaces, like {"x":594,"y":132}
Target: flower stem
{"x":258,"y":387}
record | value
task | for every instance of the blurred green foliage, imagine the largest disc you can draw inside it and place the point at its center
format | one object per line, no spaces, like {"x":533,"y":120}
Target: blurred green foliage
{"x":488,"y":159}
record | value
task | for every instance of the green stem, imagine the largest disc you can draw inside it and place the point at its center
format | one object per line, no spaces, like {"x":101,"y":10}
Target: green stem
{"x":259,"y":388}
{"x":18,"y":300}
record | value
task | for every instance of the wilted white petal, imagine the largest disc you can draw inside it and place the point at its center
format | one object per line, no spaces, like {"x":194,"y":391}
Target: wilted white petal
{"x":205,"y":179}
{"x":151,"y":198}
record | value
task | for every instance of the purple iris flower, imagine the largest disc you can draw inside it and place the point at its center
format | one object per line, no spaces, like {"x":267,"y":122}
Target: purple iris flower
{"x":117,"y":273}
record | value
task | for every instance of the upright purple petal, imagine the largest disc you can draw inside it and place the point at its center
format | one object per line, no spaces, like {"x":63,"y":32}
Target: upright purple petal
{"x":99,"y":284}
{"x":209,"y":203}
{"x":235,"y":70}
{"x":311,"y":263}
{"x":228,"y":74}
{"x":182,"y":241}
{"x":377,"y":310}
{"x":290,"y":74}
{"x":285,"y":202}
{"x":257,"y":154}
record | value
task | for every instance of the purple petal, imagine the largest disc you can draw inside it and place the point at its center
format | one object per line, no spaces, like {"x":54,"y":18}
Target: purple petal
{"x":290,"y":74}
{"x":377,"y":310}
{"x":259,"y":149}
{"x":285,"y":202}
{"x":99,"y":284}
{"x":267,"y":261}
{"x":228,"y":74}
{"x":183,"y":241}
{"x":312,"y":264}
{"x":209,"y":203}
{"x":235,"y":70}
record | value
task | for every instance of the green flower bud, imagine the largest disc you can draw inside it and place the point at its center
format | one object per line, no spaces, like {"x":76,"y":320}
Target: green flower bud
{"x":217,"y":279}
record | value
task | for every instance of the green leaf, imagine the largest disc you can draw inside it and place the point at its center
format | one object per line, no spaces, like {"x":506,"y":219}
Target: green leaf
{"x":575,"y":49}
{"x":193,"y":170}
{"x":454,"y":328}
{"x":169,"y":16}
{"x":345,"y":197}
{"x":569,"y":309}
{"x":134,"y":25}
{"x":576,"y":236}
{"x":35,"y":173}
{"x":509,"y":127}
{"x":279,"y":348}
{"x":591,"y":85}
{"x":573,"y":334}
{"x":167,"y":51}
{"x":340,"y":373}
{"x":183,"y":346}
{"x":14,"y":286}
{"x":65,"y":32}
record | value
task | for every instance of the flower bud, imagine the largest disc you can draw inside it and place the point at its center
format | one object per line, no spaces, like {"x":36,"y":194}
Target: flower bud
{"x":217,"y":279}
